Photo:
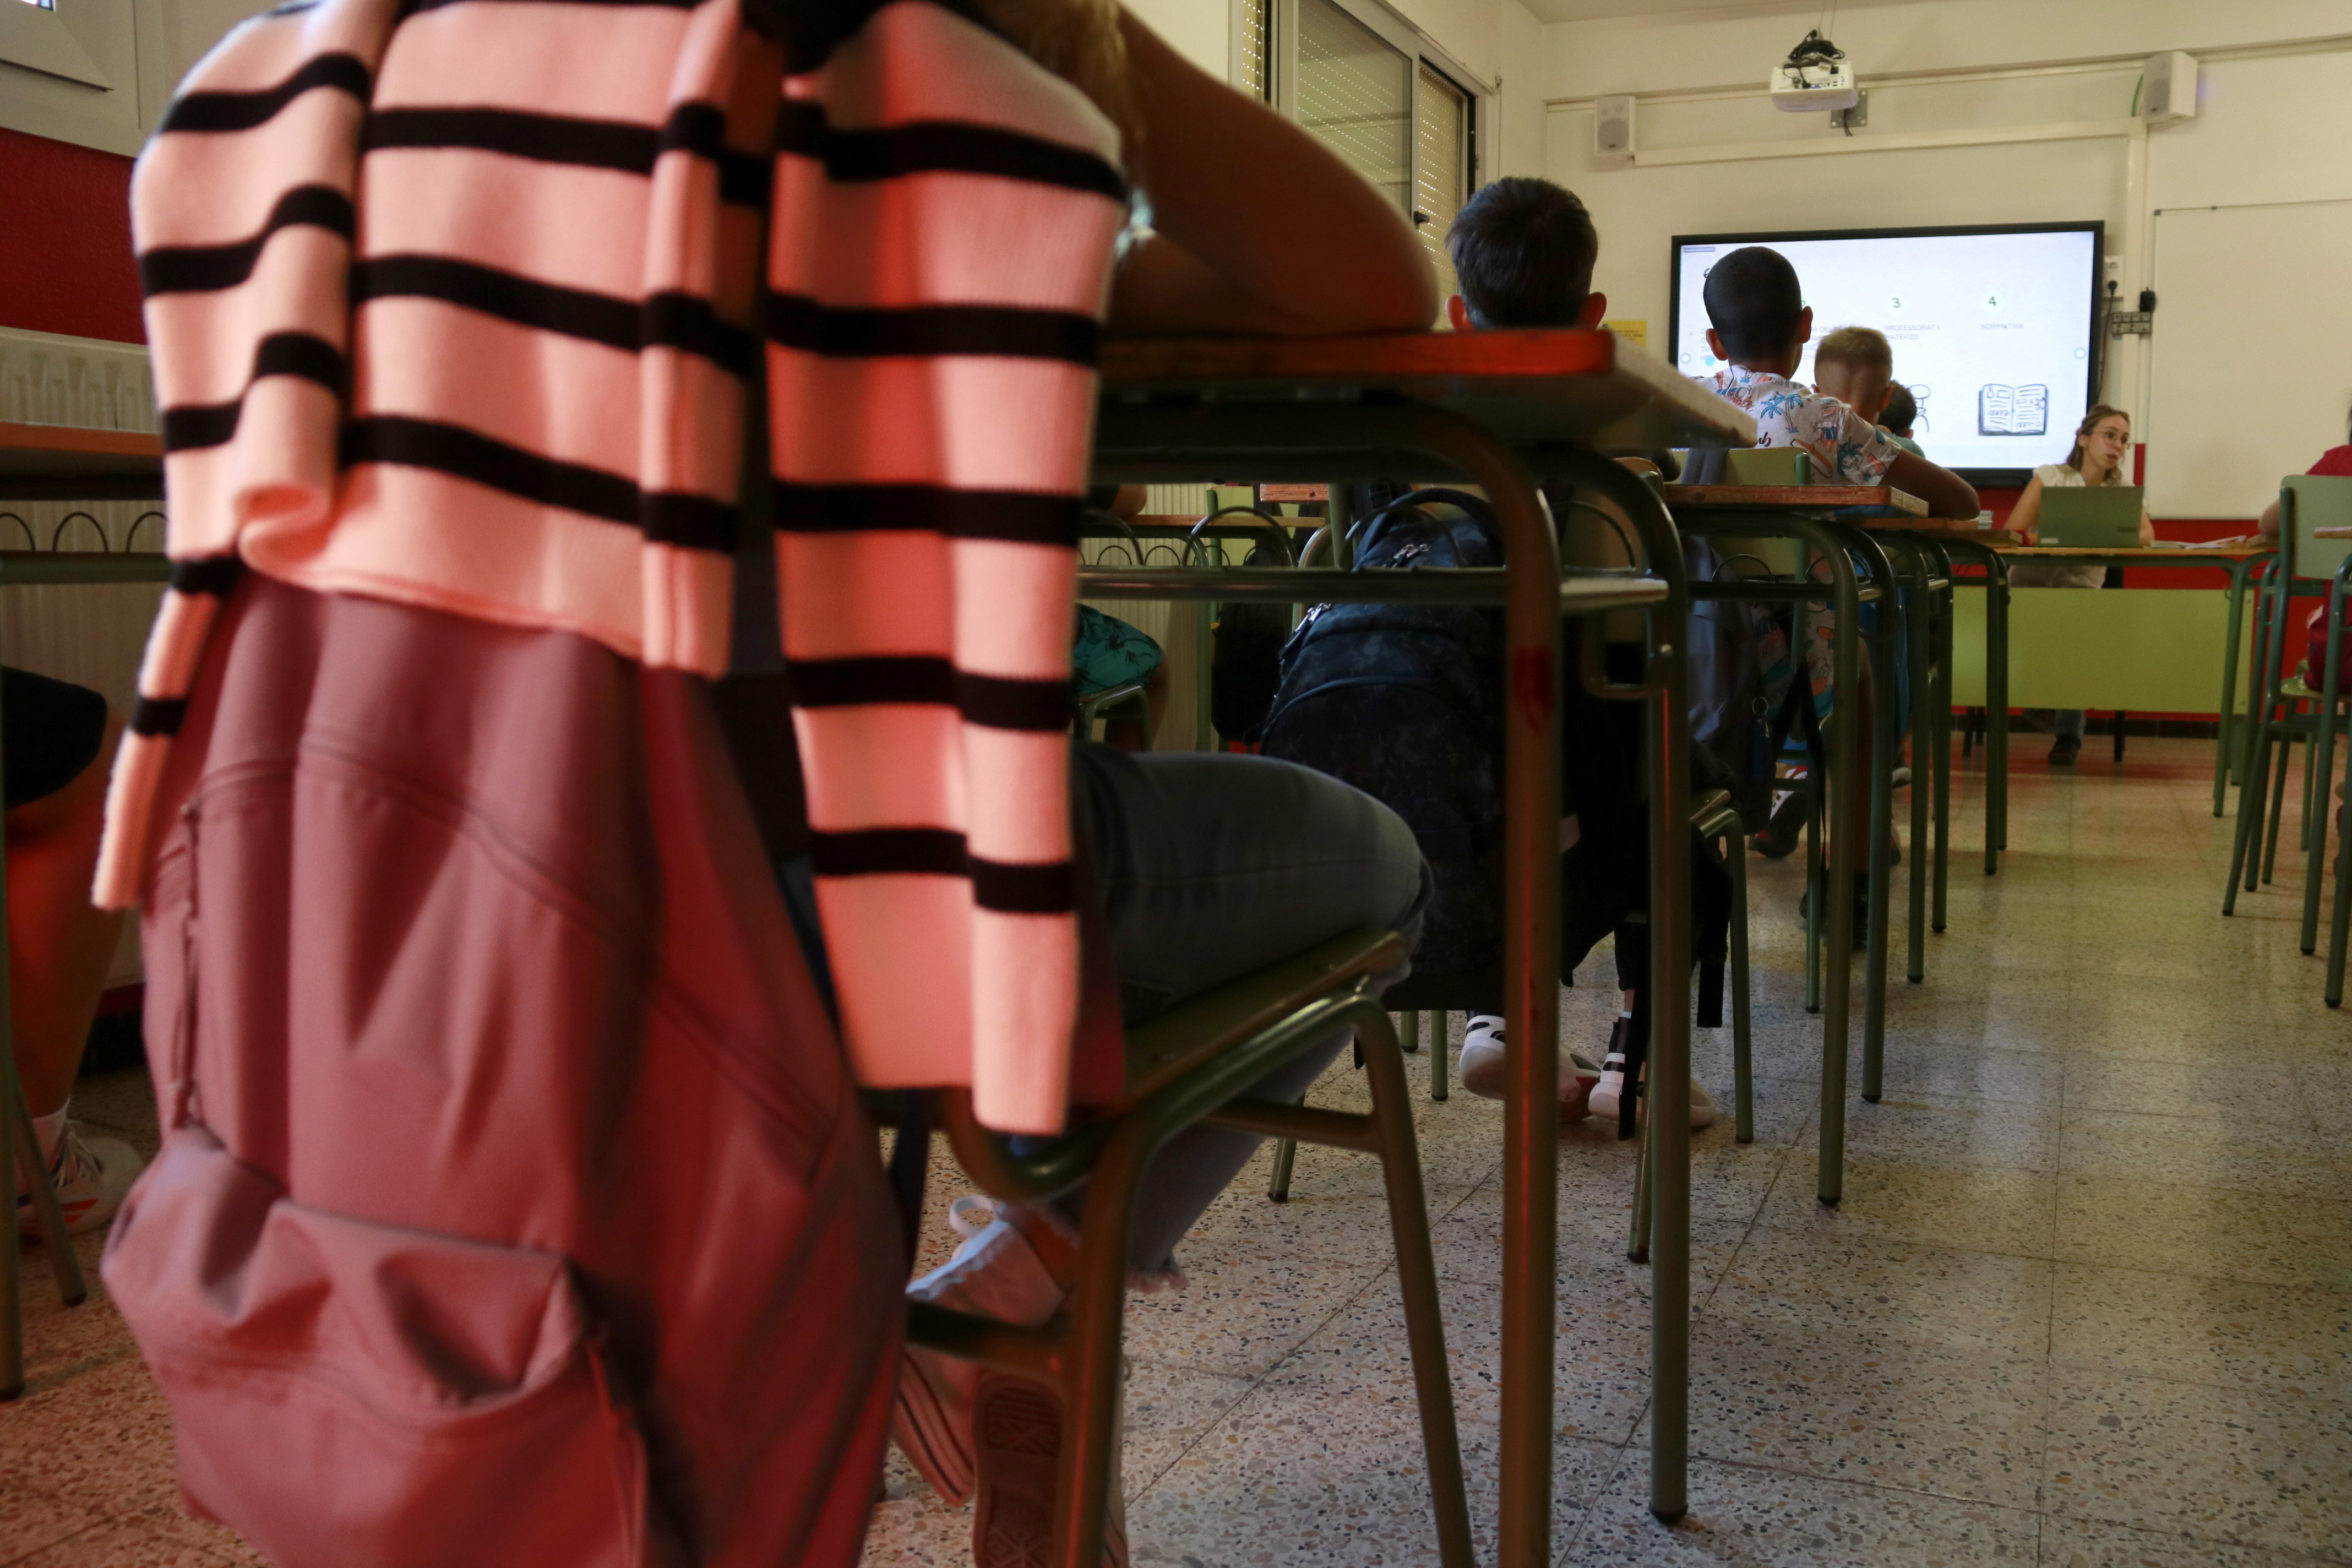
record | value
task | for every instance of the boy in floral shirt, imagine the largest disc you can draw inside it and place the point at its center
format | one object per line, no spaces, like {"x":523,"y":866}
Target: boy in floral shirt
{"x":1760,"y":324}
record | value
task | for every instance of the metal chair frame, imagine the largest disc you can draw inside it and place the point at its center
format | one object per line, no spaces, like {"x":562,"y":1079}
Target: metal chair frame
{"x":1192,"y":1064}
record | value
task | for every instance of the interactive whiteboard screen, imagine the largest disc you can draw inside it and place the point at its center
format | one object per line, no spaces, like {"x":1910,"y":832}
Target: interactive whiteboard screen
{"x":1991,"y":327}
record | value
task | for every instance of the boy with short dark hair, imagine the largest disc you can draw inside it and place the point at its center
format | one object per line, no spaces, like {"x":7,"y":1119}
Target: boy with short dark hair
{"x":1523,"y":250}
{"x":1760,"y":324}
{"x":1901,"y":414}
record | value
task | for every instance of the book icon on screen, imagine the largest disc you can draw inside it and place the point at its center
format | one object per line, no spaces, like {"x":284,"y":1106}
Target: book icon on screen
{"x":2012,"y":410}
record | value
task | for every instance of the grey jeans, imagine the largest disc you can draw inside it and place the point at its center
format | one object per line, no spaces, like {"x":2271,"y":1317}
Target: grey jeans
{"x":1211,"y":866}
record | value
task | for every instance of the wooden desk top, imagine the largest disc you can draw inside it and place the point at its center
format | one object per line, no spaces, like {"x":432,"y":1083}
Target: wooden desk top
{"x":2327,"y":533}
{"x":67,"y":462}
{"x":1525,"y":387}
{"x":1808,"y":497}
{"x":2140,"y":555}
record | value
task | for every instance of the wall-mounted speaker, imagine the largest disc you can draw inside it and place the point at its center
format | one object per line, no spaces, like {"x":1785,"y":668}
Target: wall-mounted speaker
{"x":1612,"y":129}
{"x":2169,"y":89}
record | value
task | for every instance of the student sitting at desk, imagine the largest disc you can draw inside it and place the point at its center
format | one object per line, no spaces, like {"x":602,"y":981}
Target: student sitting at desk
{"x":2100,"y":442}
{"x":1902,"y":411}
{"x":2337,"y":461}
{"x":1524,"y":251}
{"x":1856,"y":366}
{"x":1760,"y":324}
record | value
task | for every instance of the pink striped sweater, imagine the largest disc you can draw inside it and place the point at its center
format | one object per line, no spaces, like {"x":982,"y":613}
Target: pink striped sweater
{"x":450,"y":303}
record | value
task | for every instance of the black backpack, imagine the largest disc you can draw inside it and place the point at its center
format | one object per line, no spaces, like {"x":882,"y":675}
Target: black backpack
{"x":1245,"y":659}
{"x":1404,"y":702}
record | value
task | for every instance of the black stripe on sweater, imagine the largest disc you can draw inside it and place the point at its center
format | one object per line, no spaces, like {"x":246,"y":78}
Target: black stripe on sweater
{"x":181,"y":270}
{"x":542,"y":138}
{"x":213,"y":576}
{"x":671,"y":320}
{"x":1014,"y":517}
{"x":469,"y":455}
{"x":574,"y":312}
{"x":203,"y":111}
{"x":994,"y":701}
{"x":935,"y":146}
{"x":701,"y":129}
{"x":1046,"y":889}
{"x":158,"y":715}
{"x":696,"y":523}
{"x":996,"y":331}
{"x":413,"y":7}
{"x":617,"y":144}
{"x":191,"y":427}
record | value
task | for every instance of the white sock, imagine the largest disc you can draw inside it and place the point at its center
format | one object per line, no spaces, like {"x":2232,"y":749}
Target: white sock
{"x":51,"y":1129}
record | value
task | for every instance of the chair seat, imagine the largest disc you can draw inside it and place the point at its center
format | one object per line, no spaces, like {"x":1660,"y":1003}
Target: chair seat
{"x":1187,"y":1036}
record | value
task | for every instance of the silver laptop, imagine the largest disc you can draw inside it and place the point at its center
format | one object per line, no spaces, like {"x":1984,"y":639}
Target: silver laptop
{"x":2102,"y":517}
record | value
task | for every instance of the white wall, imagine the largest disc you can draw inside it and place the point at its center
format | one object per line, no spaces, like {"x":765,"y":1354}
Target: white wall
{"x":2272,"y":126}
{"x":141,"y":49}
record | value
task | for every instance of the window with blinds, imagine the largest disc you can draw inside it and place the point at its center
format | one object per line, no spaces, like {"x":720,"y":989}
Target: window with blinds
{"x":1441,"y":165}
{"x":1355,"y":92}
{"x":1254,"y":51}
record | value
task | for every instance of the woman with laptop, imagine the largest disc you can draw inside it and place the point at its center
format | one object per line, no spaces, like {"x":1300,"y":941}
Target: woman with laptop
{"x":2100,"y":442}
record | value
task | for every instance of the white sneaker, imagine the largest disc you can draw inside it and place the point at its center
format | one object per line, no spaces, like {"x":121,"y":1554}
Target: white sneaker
{"x":1702,"y":1104}
{"x":91,"y":1175}
{"x":996,"y":1274}
{"x":1609,"y":1090}
{"x":1482,"y":1071}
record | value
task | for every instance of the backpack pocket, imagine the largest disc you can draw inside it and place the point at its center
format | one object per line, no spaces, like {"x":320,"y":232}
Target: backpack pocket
{"x":369,"y":1396}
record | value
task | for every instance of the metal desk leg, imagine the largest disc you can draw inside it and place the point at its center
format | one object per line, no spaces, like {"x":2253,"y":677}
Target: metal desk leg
{"x":2255,"y":749}
{"x":1997,"y":716}
{"x":2224,"y":763}
{"x":1882,"y":824}
{"x":1941,"y":708}
{"x":1919,"y":618}
{"x":1835,"y":546}
{"x":1667,"y":736}
{"x":2320,"y":763}
{"x":1532,"y":962}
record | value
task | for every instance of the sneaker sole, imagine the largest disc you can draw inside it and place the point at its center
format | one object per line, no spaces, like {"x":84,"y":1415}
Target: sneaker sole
{"x":1017,"y":1431}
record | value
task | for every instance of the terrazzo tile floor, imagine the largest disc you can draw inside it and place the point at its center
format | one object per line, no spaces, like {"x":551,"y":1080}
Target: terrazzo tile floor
{"x":2087,"y":1301}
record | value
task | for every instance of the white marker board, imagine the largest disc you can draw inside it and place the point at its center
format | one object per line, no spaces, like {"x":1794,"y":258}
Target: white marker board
{"x":2252,"y":352}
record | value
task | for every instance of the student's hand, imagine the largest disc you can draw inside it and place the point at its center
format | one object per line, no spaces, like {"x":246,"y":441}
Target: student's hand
{"x":2268,"y":524}
{"x":1258,"y":227}
{"x":2147,"y":529}
{"x":1946,"y":494}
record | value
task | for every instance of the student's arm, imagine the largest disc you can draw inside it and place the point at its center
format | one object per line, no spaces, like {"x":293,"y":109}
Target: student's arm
{"x":1258,"y":227}
{"x":2025,"y":520}
{"x":1946,"y":493}
{"x":2268,"y":524}
{"x":2147,"y":529}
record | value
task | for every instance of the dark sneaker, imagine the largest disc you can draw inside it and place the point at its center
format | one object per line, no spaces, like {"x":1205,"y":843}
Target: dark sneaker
{"x":2063,"y":753}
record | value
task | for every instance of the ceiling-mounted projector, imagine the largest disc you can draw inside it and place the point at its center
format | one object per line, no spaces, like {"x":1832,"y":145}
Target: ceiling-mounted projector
{"x":1814,"y":77}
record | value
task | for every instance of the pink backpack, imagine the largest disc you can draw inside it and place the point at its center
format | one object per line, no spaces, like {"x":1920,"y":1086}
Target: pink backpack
{"x":515,"y":1206}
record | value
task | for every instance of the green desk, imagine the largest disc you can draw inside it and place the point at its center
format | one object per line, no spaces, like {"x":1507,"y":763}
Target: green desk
{"x":2068,"y":663}
{"x":1502,"y":410}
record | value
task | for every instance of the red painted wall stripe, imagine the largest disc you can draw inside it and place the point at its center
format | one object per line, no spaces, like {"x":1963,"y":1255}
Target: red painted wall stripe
{"x":65,"y":243}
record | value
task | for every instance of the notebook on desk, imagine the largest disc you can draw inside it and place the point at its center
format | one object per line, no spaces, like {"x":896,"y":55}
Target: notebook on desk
{"x":2106,"y":517}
